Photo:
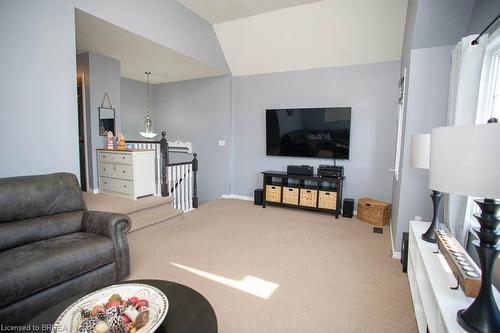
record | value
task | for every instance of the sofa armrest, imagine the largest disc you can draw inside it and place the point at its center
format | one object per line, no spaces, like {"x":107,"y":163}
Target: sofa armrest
{"x":114,"y":226}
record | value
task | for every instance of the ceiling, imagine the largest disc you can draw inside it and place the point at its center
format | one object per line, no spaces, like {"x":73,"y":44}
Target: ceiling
{"x":217,"y":11}
{"x":136,"y":53}
{"x":330,"y":33}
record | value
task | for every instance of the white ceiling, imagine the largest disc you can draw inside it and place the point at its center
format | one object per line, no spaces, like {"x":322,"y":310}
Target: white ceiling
{"x":217,"y":11}
{"x":327,"y":33}
{"x":136,"y":53}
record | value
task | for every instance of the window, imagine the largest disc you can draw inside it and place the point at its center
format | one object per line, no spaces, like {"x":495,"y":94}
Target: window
{"x":495,"y":99}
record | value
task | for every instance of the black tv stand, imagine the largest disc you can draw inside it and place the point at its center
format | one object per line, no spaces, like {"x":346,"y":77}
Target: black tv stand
{"x":279,"y":180}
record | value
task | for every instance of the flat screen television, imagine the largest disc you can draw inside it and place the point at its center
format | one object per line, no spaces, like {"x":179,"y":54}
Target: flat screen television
{"x":309,"y":132}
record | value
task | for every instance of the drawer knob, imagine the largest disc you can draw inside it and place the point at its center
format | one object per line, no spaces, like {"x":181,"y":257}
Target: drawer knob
{"x":123,"y":157}
{"x":105,"y":182}
{"x":104,"y":169}
{"x":124,"y":185}
{"x":123,"y":171}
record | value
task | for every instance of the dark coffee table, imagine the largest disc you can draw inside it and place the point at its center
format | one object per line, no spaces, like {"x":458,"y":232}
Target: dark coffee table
{"x":188,"y":310}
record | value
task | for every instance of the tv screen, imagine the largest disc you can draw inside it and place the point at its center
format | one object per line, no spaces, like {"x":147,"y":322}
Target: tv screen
{"x":312,"y":132}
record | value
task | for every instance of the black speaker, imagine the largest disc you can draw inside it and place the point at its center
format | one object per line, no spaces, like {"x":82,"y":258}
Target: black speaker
{"x":257,"y":197}
{"x":404,"y":252}
{"x":348,"y":207}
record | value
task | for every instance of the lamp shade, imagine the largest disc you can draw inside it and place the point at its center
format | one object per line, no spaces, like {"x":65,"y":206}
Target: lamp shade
{"x":420,"y":151}
{"x":466,"y":160}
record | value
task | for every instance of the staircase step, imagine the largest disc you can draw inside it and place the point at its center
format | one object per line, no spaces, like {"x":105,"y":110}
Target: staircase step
{"x":146,"y":218}
{"x":110,"y":203}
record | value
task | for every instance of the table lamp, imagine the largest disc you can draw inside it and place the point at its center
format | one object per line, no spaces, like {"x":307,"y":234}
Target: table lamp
{"x":419,"y":158}
{"x":466,"y":160}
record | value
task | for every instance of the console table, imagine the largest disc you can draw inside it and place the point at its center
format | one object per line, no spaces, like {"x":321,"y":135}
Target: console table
{"x":307,"y":192}
{"x":430,"y":279}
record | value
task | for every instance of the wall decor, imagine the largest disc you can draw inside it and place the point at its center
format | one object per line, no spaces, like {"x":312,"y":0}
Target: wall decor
{"x":106,"y":117}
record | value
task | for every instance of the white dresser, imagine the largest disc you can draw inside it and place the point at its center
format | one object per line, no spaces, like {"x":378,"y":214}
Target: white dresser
{"x":430,"y":278}
{"x":127,"y":173}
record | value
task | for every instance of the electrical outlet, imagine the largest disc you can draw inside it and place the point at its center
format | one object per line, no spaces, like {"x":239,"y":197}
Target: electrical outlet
{"x":418,"y":218}
{"x":222,"y":143}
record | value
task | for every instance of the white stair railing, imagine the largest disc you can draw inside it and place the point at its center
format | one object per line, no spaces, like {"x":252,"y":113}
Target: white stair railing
{"x":180,"y":182}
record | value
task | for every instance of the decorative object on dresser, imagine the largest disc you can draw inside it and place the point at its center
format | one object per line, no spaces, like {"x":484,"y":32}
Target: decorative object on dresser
{"x":302,"y":191}
{"x":465,"y":161}
{"x":420,"y":158}
{"x":348,"y":208}
{"x":121,"y":144}
{"x":468,"y":277}
{"x":127,"y":173}
{"x":434,"y":301}
{"x":374,"y":212}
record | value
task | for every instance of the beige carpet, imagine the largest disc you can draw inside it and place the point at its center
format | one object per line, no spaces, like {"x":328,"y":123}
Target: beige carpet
{"x":280,"y":270}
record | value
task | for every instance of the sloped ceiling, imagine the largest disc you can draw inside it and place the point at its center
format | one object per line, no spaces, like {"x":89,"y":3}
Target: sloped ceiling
{"x":136,"y":53}
{"x":327,"y":33}
{"x":217,"y":11}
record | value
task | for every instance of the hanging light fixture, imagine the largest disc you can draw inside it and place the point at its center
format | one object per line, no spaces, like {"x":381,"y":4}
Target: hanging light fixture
{"x":148,"y":124}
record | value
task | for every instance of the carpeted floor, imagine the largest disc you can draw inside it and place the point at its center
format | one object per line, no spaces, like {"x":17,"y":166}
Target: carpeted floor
{"x":281,"y":270}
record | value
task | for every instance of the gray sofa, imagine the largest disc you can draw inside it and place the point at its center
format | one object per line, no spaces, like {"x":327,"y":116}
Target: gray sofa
{"x":51,"y":247}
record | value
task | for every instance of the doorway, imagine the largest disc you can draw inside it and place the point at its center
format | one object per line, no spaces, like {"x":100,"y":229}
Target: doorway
{"x":82,"y":130}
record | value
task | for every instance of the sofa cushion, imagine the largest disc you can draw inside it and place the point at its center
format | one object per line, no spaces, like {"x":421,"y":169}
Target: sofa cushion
{"x":27,"y":231}
{"x":32,"y":196}
{"x":31,"y":268}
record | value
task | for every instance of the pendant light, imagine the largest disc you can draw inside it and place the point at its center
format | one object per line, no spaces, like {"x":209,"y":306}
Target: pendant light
{"x":148,"y":124}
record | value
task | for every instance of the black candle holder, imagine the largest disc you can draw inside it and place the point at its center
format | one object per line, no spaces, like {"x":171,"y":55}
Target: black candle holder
{"x":483,"y":315}
{"x":430,"y":235}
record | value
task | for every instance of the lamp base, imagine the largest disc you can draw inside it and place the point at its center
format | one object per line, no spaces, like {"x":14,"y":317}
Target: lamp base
{"x":430,"y":235}
{"x":483,"y":315}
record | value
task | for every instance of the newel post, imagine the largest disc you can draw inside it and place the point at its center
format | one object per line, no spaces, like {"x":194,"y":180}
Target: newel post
{"x":164,"y":164}
{"x":195,"y":183}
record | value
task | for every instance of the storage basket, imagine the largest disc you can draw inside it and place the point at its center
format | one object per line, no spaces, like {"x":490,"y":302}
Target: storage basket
{"x":373,"y":211}
{"x":308,"y":197}
{"x":273,"y":193}
{"x":290,"y":195}
{"x":327,"y":200}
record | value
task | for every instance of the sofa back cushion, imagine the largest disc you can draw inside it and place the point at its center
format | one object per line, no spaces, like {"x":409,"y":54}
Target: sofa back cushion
{"x":33,"y":196}
{"x":22,"y":232}
{"x":34,"y":208}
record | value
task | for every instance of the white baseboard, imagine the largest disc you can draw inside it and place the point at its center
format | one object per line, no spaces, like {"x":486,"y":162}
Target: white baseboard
{"x":395,"y":254}
{"x":236,"y":196}
{"x":93,"y":190}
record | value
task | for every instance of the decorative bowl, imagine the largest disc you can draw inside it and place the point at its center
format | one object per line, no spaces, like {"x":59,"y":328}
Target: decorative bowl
{"x":69,"y":320}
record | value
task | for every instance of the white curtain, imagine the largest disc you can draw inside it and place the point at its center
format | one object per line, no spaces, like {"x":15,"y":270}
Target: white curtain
{"x":466,"y":65}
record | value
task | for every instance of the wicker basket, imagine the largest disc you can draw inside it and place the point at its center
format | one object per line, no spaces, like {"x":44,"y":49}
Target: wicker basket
{"x":290,"y":195}
{"x":374,"y":212}
{"x":327,"y":200}
{"x":273,"y":193}
{"x":308,"y":198}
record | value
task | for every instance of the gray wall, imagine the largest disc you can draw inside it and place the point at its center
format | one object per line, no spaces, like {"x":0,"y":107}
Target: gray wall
{"x":432,"y":29}
{"x":441,"y":22}
{"x":102,"y":75}
{"x":427,"y":107}
{"x":199,"y":111}
{"x":38,"y":116}
{"x":371,"y":91}
{"x":484,"y":12}
{"x":134,"y":98}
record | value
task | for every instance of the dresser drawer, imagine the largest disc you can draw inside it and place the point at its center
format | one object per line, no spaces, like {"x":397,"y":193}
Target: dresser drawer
{"x":120,"y":158}
{"x":120,"y":171}
{"x":116,"y":185}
